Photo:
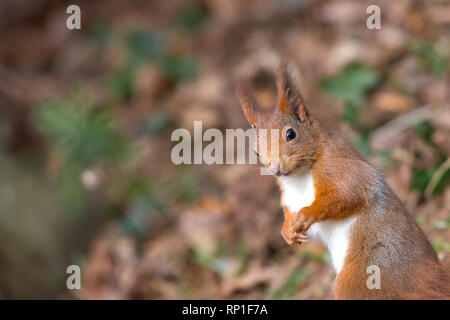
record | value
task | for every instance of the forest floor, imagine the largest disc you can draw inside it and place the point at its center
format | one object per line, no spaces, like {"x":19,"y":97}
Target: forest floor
{"x":98,"y":106}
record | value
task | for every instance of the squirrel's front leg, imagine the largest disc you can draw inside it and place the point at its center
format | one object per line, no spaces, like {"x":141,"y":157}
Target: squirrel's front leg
{"x":302,"y":220}
{"x":289,"y":234}
{"x":332,"y":207}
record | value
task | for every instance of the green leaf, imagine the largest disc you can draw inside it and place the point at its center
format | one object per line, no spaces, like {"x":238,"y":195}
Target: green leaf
{"x":120,"y":84}
{"x":421,"y":219}
{"x":192,"y":18}
{"x":434,"y":59}
{"x":71,"y":188}
{"x":352,"y":83}
{"x":351,"y":113}
{"x":422,"y":178}
{"x":290,"y":287}
{"x":383,"y":156}
{"x":323,"y":257}
{"x":362,"y":143}
{"x":242,"y":255}
{"x":425,"y":130}
{"x":156,"y":123}
{"x":178,"y":68}
{"x":440,"y":224}
{"x":99,"y":34}
{"x":437,"y":245}
{"x":219,"y":266}
{"x":140,"y":214}
{"x":187,"y":188}
{"x":143,"y":45}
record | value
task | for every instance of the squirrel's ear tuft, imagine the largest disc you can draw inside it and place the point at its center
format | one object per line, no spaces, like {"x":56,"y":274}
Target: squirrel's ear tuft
{"x":289,"y":98}
{"x":244,"y":92}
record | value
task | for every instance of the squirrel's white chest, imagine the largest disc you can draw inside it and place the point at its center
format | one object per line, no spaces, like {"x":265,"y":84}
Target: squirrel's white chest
{"x":298,"y":192}
{"x":335,"y":235}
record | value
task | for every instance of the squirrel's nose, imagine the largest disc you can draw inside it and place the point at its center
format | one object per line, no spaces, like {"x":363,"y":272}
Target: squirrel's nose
{"x":275,"y":169}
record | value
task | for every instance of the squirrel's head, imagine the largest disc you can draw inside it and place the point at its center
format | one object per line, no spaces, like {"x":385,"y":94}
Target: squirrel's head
{"x":293,"y":145}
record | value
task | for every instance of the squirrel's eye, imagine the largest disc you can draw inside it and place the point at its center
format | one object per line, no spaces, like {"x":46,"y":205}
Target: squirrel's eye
{"x":290,"y":134}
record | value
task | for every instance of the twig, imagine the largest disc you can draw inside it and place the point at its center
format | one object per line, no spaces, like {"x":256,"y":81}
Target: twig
{"x":384,"y":133}
{"x":436,"y":178}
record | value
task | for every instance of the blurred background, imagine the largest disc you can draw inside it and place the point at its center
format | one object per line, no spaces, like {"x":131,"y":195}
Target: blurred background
{"x":86,"y":117}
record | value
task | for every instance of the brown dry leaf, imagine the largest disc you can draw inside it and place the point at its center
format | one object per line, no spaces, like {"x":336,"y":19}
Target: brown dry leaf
{"x":400,"y":179}
{"x":256,"y":276}
{"x":436,"y":92}
{"x":99,"y":267}
{"x":321,"y":285}
{"x":148,"y":86}
{"x":110,"y":269}
{"x":439,"y":14}
{"x":157,"y":288}
{"x":204,"y":225}
{"x":162,"y":255}
{"x":342,"y":12}
{"x":266,"y":98}
{"x":391,"y":101}
{"x":441,"y":138}
{"x":416,"y":21}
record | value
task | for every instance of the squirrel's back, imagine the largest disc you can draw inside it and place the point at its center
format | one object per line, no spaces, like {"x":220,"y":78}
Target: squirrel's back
{"x":387,"y":237}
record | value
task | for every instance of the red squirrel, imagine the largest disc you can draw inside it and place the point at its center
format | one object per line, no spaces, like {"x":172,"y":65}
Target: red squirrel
{"x":329,"y":192}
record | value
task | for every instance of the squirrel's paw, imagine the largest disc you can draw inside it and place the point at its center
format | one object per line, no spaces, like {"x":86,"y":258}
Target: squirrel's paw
{"x":300,"y":222}
{"x":291,"y":236}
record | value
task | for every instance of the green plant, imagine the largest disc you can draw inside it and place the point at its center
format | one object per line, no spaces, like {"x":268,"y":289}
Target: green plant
{"x":215,"y":264}
{"x":84,"y":136}
{"x":156,"y":123}
{"x":362,"y":143}
{"x":433,"y":58}
{"x":440,"y":246}
{"x":192,"y":18}
{"x":290,"y":286}
{"x":143,"y":45}
{"x":178,"y":68}
{"x":436,"y":176}
{"x":351,"y":86}
{"x":121,"y":83}
{"x":425,"y":130}
{"x":99,"y":34}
